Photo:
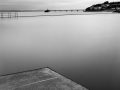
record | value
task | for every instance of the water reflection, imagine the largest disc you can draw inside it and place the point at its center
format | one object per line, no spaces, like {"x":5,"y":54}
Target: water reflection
{"x":82,"y":48}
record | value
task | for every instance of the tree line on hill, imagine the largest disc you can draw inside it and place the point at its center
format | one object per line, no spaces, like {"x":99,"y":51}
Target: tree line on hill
{"x":106,"y":6}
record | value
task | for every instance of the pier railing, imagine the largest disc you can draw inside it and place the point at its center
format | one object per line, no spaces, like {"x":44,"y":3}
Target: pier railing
{"x":8,"y":14}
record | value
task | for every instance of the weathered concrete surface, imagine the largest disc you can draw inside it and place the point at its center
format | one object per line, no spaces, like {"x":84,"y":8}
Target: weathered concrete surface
{"x":39,"y":79}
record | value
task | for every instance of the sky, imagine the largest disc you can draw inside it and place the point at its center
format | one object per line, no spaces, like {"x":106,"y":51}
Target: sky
{"x":44,"y":4}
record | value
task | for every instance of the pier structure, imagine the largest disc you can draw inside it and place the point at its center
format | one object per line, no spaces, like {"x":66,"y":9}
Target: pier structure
{"x":8,"y":14}
{"x":66,"y":10}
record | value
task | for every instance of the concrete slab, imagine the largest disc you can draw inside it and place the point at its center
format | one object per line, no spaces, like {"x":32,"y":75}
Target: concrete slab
{"x":38,"y":79}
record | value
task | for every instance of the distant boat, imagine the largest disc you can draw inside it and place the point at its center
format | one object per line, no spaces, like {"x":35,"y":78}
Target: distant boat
{"x":47,"y":10}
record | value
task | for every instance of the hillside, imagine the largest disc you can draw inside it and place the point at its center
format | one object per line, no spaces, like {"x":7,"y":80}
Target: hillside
{"x":106,"y":6}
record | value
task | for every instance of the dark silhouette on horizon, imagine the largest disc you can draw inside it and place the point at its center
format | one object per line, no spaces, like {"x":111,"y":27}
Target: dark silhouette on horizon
{"x":47,"y":10}
{"x":106,"y":6}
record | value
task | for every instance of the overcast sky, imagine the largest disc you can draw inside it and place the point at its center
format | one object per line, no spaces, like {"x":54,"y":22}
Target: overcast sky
{"x":50,"y":4}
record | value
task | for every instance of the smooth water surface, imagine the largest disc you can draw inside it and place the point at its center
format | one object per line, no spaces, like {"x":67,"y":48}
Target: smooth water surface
{"x":83,"y":48}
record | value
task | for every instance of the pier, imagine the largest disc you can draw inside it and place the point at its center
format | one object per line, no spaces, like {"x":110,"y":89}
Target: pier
{"x":66,"y":10}
{"x":8,"y":14}
{"x":77,"y":10}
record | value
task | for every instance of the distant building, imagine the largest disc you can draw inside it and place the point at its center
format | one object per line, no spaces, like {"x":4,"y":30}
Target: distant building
{"x":118,"y":8}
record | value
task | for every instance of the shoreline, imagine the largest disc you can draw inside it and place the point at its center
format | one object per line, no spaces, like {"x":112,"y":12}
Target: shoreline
{"x":83,"y":13}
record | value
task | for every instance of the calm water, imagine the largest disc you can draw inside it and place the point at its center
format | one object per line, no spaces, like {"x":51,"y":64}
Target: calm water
{"x":83,"y":48}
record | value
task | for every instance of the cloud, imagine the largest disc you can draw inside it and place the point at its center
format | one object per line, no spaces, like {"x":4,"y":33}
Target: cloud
{"x":8,"y":5}
{"x":44,"y":4}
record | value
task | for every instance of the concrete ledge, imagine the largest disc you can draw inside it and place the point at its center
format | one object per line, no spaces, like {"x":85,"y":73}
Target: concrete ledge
{"x":39,"y":79}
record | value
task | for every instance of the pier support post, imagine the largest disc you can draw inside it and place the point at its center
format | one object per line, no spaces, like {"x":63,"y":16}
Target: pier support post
{"x":16,"y":14}
{"x":1,"y":14}
{"x":10,"y":14}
